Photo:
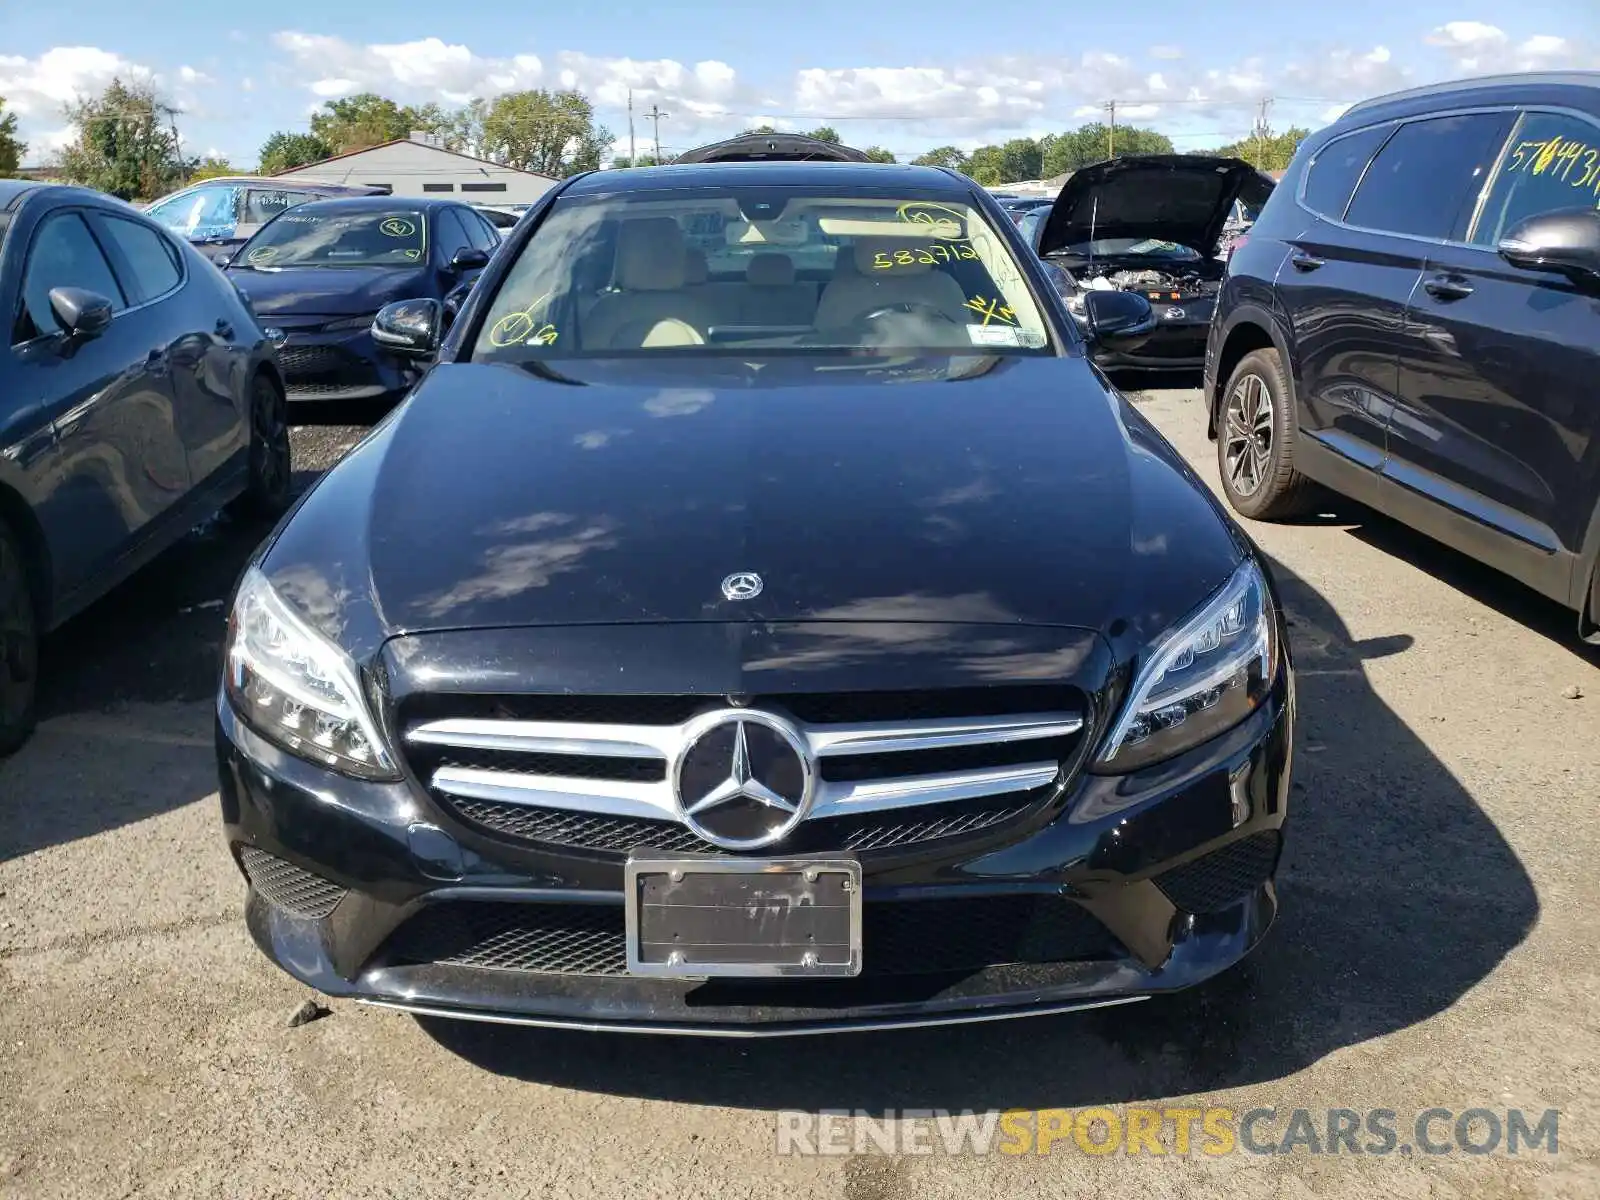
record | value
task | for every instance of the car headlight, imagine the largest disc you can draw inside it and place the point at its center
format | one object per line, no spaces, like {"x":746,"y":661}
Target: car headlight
{"x":1201,"y":677}
{"x":296,"y":688}
{"x":1075,"y":305}
{"x":349,"y":323}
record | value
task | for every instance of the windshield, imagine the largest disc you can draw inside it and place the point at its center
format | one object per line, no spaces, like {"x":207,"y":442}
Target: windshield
{"x":309,"y":237}
{"x":204,"y":212}
{"x":1131,"y":248}
{"x":787,"y":269}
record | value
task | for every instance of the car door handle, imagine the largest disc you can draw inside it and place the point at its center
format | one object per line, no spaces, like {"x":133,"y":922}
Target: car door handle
{"x":224,"y":329}
{"x":1448,"y":287}
{"x":1306,"y":262}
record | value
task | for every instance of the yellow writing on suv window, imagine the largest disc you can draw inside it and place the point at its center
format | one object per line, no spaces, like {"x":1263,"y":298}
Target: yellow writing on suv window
{"x":1575,"y":163}
{"x":526,"y":327}
{"x":887,"y":260}
{"x":945,"y":223}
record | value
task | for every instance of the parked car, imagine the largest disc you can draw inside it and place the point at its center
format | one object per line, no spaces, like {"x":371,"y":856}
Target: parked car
{"x":1414,"y":321}
{"x":1020,"y":206}
{"x":502,"y":217}
{"x":220,"y":215}
{"x":138,"y":396}
{"x":1151,"y":224}
{"x":844,"y":643}
{"x":317,"y":275}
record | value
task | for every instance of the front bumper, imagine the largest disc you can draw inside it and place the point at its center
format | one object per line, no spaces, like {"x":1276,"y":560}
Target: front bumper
{"x":340,"y":365}
{"x":1166,"y":876}
{"x":1174,"y":346}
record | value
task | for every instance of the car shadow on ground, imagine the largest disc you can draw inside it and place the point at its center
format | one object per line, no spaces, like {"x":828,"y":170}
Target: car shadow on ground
{"x":156,"y":639}
{"x":1399,"y":895}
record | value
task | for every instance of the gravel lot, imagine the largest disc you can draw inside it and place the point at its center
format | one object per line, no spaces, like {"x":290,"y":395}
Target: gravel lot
{"x":1437,"y":946}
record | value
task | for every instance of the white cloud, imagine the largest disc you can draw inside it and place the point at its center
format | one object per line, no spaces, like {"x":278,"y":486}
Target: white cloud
{"x":1166,"y":52}
{"x":1470,"y":35}
{"x":194,"y":77}
{"x":40,"y":87}
{"x":1475,"y":48}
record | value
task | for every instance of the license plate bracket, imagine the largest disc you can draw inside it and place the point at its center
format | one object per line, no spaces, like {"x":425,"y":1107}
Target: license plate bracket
{"x":707,"y":917}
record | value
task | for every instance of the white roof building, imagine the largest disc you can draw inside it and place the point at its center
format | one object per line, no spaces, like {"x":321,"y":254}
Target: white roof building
{"x":421,"y":166}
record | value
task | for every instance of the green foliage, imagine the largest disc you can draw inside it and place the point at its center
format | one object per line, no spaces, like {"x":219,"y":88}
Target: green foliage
{"x":125,"y":143}
{"x":210,"y":168}
{"x":552,"y":133}
{"x":1269,"y":152}
{"x":826,"y":133}
{"x":1094,"y":143}
{"x":879,"y":154}
{"x":943,"y":156}
{"x":284,"y":151}
{"x":11,"y":147}
{"x":367,"y":119}
{"x":644,"y":160}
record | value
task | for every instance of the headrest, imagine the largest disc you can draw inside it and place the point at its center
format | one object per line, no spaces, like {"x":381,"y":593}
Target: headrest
{"x":696,"y":270}
{"x":867,"y":250}
{"x":770,"y":270}
{"x":651,"y":255}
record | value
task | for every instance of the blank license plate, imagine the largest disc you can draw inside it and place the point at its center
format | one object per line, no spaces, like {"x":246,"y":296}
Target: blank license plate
{"x":695,"y":918}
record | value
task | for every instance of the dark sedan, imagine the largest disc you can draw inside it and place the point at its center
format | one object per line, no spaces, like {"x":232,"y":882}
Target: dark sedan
{"x":777,"y":649}
{"x":137,"y":396}
{"x":317,"y":275}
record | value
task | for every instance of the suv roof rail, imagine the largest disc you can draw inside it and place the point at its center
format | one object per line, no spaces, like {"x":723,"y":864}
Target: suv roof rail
{"x":1558,"y":78}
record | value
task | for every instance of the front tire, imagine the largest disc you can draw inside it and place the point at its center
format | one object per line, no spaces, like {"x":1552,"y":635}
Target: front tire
{"x":19,"y":644}
{"x":1256,"y":441}
{"x":271,"y":458}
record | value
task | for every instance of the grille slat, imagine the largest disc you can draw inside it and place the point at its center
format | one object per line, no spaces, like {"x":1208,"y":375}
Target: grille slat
{"x":892,"y":769}
{"x":1224,"y":877}
{"x":913,"y":937}
{"x":289,"y":887}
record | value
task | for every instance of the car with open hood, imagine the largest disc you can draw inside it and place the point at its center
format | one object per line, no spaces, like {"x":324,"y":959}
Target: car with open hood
{"x":318,"y":274}
{"x":1155,"y":225}
{"x":801,"y":637}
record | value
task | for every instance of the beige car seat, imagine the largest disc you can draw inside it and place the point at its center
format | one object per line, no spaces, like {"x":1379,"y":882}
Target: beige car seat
{"x":853,"y":295}
{"x":651,"y":278}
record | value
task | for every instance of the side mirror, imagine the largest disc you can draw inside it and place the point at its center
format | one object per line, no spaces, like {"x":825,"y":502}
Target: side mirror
{"x":82,"y":313}
{"x":1116,"y":320}
{"x":409,"y":327}
{"x":1566,"y":241}
{"x":469,"y":259}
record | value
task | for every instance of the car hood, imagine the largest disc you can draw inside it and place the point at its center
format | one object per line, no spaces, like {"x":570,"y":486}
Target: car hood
{"x":1182,"y":198}
{"x":1025,"y":491}
{"x":328,"y":291}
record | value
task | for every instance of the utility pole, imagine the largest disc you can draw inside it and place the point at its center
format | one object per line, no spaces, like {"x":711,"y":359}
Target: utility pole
{"x":1111,"y":130}
{"x":1262,"y":133}
{"x":633,"y":154}
{"x":655,"y":114}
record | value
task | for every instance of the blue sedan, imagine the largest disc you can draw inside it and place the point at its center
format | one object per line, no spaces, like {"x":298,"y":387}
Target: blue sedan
{"x":318,"y":273}
{"x":139,"y":395}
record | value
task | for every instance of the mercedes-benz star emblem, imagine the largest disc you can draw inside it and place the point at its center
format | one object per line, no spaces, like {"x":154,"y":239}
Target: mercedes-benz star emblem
{"x":744,"y":779}
{"x":742,"y":585}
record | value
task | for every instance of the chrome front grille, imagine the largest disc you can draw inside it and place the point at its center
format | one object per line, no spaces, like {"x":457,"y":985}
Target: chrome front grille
{"x":522,"y":768}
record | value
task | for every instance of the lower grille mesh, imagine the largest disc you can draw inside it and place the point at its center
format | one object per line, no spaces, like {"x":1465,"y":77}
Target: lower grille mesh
{"x":921,"y":937}
{"x":1216,"y":880}
{"x":618,"y":835}
{"x":289,"y":887}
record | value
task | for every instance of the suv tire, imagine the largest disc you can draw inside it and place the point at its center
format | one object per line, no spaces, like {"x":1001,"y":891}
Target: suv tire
{"x":1255,"y":441}
{"x":19,"y":644}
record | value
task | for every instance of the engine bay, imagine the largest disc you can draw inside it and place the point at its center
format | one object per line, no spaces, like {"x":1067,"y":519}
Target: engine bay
{"x":1177,"y":283}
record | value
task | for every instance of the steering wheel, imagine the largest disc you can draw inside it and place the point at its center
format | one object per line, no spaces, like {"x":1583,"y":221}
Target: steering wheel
{"x":907,"y":308}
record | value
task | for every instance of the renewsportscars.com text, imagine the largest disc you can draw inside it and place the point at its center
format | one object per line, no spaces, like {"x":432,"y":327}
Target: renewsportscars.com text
{"x":1210,"y":1132}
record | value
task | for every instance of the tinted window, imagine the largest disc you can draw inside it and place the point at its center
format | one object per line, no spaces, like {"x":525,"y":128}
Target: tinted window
{"x":64,"y":254}
{"x":151,"y":256}
{"x":262,"y":204}
{"x":333,"y":235}
{"x":1426,"y":179}
{"x":1553,"y":162}
{"x":482,"y":234}
{"x":452,"y":234}
{"x":1337,"y":168}
{"x":201,"y":213}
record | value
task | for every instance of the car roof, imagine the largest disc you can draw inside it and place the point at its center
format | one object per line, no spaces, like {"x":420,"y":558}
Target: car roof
{"x":14,"y":191}
{"x":848,"y":176}
{"x":308,"y":185}
{"x":1587,"y":80}
{"x":376,"y":203}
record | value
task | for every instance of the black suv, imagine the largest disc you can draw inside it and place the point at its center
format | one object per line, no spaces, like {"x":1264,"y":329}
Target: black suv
{"x":1414,"y":321}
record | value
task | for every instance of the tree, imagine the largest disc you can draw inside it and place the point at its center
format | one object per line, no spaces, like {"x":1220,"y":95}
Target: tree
{"x":758,"y":131}
{"x":551,"y":133}
{"x":1021,"y":158}
{"x":210,"y":167}
{"x":284,"y":151}
{"x":462,"y":129}
{"x":879,"y":154}
{"x":125,"y":144}
{"x":826,"y":133}
{"x":1267,"y":150}
{"x":987,"y":165}
{"x":368,"y":119}
{"x":644,"y":160}
{"x":942,"y":156}
{"x":1093,"y":143}
{"x":11,"y":147}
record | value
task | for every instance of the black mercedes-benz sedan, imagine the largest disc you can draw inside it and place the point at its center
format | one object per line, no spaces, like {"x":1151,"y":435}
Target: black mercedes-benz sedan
{"x":715,"y":644}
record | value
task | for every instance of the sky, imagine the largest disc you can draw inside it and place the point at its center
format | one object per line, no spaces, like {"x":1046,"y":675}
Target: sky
{"x":904,"y":76}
